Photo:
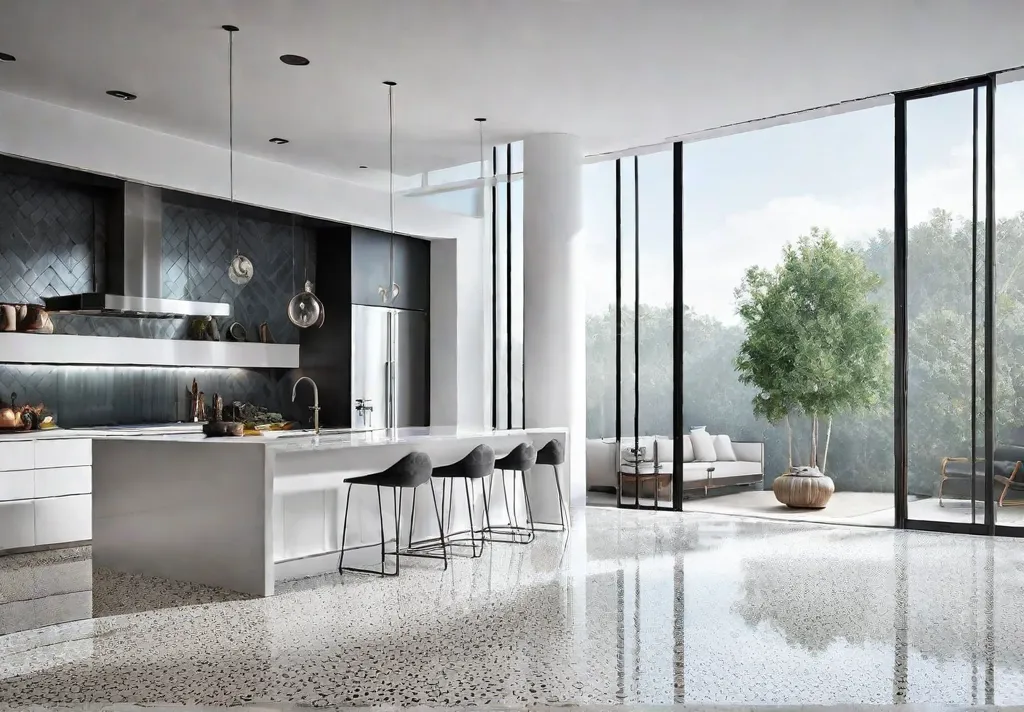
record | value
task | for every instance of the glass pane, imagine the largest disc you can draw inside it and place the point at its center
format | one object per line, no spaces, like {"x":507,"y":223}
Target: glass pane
{"x":945,"y":309}
{"x":655,"y":326}
{"x":823,"y":187}
{"x":515,"y":308}
{"x":501,"y":342}
{"x":1009,"y":312}
{"x":599,"y":267}
{"x":627,"y":376}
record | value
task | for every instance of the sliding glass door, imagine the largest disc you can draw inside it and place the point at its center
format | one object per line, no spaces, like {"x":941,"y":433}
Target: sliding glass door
{"x":946,"y":449}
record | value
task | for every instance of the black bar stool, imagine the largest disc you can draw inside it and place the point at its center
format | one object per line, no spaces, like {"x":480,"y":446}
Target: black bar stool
{"x":521,"y":460}
{"x":477,"y":465}
{"x":410,"y":472}
{"x":553,"y":454}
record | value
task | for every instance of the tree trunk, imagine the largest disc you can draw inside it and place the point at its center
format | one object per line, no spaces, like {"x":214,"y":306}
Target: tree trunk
{"x":789,"y":433}
{"x":828,"y":437}
{"x":814,"y":441}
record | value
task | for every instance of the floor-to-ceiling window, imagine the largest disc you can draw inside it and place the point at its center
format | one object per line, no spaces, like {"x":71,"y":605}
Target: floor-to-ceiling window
{"x":804,"y":207}
{"x":507,"y":279}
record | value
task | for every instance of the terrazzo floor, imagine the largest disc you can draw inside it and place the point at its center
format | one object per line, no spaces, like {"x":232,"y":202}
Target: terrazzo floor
{"x":633,"y":607}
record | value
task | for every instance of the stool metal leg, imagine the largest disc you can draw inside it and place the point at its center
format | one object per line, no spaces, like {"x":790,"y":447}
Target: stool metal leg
{"x":512,"y":533}
{"x":529,"y":510}
{"x":344,"y":531}
{"x":383,"y":552}
{"x":472,"y":525}
{"x":561,"y":501}
{"x":424,"y":549}
{"x":440,"y":529}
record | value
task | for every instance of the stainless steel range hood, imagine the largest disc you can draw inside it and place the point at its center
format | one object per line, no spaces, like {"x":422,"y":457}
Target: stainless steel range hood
{"x":134,"y":279}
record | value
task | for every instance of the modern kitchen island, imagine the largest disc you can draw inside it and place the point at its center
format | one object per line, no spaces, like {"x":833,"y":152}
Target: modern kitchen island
{"x":242,"y":513}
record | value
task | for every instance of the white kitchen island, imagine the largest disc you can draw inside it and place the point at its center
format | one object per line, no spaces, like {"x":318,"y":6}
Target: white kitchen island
{"x":242,"y":513}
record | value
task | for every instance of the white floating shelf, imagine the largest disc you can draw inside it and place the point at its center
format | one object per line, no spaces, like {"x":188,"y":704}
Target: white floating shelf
{"x":126,"y":351}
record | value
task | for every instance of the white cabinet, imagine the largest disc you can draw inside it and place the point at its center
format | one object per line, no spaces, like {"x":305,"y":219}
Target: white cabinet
{"x":17,"y":524}
{"x":17,"y":484}
{"x":69,"y":452}
{"x":61,"y":481}
{"x":18,"y":455}
{"x":63,"y":519}
{"x":45,"y":491}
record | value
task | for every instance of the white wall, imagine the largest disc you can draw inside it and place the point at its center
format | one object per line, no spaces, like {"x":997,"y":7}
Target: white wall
{"x":460,"y":308}
{"x":36,"y":130}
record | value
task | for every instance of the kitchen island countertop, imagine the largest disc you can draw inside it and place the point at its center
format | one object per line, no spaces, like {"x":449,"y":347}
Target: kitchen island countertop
{"x":242,"y":512}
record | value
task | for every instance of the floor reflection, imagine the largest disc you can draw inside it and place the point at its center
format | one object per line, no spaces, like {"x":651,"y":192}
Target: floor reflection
{"x":633,"y":607}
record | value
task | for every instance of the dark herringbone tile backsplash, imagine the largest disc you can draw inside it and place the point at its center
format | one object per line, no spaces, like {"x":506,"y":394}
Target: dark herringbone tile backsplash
{"x":52,"y":241}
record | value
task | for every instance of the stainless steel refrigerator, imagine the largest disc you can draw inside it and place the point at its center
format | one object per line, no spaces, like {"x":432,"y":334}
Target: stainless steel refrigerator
{"x":389,"y":367}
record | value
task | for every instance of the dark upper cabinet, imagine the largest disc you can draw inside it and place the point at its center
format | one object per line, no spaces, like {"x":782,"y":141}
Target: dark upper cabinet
{"x":412,"y":273}
{"x":371,"y":269}
{"x":371,"y":255}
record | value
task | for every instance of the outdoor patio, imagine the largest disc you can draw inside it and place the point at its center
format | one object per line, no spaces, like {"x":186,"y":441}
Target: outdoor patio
{"x":869,"y":509}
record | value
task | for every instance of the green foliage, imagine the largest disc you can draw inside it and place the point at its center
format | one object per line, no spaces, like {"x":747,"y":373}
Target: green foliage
{"x":814,"y":342}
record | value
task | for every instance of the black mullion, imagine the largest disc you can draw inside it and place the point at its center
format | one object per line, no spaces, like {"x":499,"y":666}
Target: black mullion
{"x":947,"y":88}
{"x":636,"y":325}
{"x":900,"y":314}
{"x":990,"y":302}
{"x":974,"y":310}
{"x":677,"y":326}
{"x":494,"y":287}
{"x":508,"y":279}
{"x":618,"y":330}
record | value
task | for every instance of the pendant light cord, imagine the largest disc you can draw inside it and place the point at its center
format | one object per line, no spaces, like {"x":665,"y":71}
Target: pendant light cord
{"x":231,"y":30}
{"x":391,"y":186}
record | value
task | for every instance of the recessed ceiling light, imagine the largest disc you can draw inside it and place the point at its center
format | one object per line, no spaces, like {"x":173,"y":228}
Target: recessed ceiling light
{"x":122,"y":95}
{"x":279,"y":141}
{"x":294,"y":60}
{"x":4,"y":57}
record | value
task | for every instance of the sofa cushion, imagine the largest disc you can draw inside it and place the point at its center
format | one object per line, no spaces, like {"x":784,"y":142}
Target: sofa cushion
{"x":703,"y":446}
{"x":723,"y":449}
{"x":687,"y":449}
{"x":666,"y":449}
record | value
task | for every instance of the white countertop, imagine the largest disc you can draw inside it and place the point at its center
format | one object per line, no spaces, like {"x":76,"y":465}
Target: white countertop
{"x":117,"y":431}
{"x":304,"y":441}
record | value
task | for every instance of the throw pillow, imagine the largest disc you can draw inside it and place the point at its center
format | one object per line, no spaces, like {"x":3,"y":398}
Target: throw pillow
{"x":703,"y":446}
{"x":723,"y":448}
{"x":687,"y":449}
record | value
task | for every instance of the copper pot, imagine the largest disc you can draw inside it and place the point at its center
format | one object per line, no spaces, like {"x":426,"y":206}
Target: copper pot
{"x":9,"y":419}
{"x":37,"y":320}
{"x":8,"y":317}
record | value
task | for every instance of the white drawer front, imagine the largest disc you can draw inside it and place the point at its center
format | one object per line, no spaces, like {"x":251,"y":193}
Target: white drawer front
{"x":59,"y":481}
{"x":17,"y":484}
{"x":17,"y":528}
{"x":72,"y":452}
{"x":17,"y":455}
{"x":63,"y":519}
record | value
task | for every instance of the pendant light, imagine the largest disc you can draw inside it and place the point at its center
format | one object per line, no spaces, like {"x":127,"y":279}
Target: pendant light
{"x":389,"y":294}
{"x":240,"y":268}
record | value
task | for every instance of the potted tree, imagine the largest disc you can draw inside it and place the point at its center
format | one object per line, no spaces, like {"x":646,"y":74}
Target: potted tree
{"x":816,"y":346}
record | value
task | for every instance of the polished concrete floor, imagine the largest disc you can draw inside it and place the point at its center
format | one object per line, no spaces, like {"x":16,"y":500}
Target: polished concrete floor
{"x":632,"y":607}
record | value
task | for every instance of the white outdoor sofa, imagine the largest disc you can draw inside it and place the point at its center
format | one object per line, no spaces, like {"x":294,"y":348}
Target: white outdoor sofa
{"x":604,"y":463}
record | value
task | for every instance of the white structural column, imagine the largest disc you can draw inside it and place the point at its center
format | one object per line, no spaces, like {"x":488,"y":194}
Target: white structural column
{"x":553,"y":302}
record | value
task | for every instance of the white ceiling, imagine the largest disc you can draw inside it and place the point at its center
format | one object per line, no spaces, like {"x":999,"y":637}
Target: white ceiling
{"x":620,"y":73}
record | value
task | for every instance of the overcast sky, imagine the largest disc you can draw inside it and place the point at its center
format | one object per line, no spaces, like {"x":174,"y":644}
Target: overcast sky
{"x":747,"y":195}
